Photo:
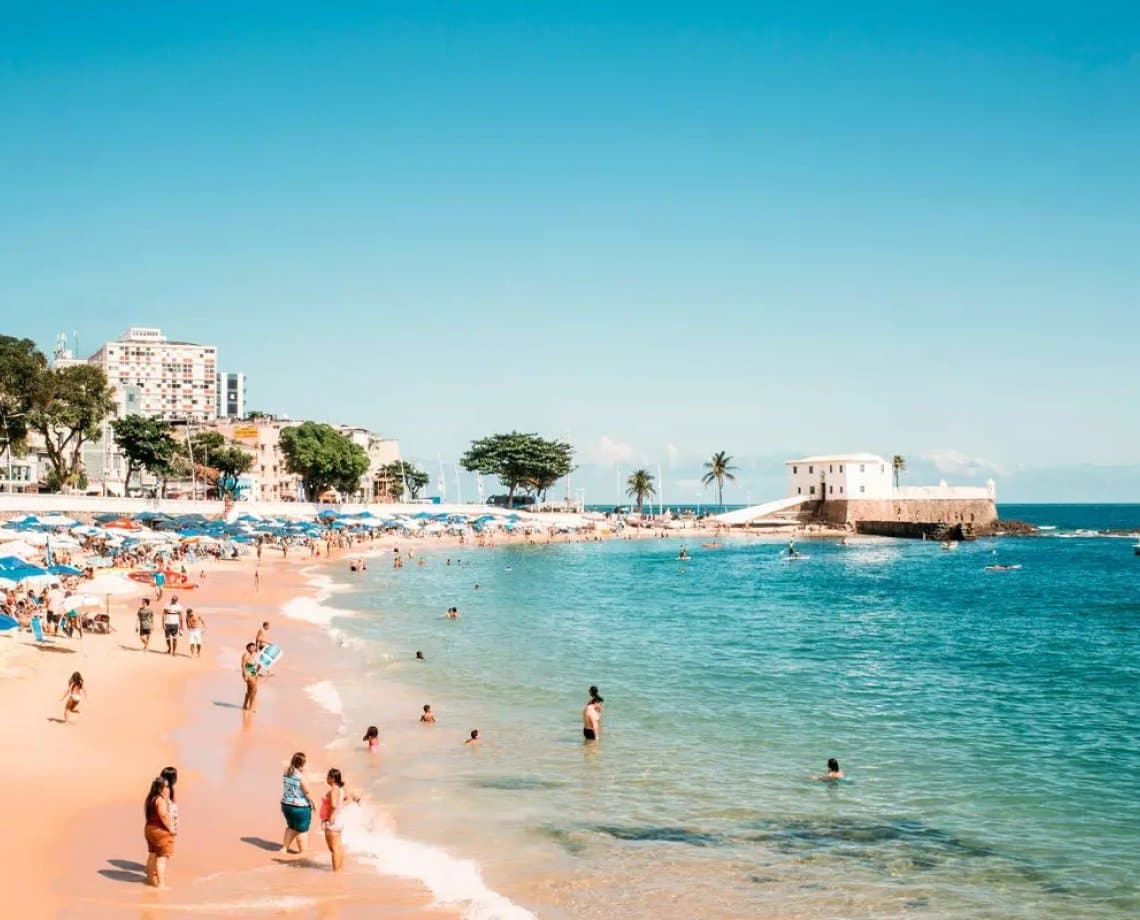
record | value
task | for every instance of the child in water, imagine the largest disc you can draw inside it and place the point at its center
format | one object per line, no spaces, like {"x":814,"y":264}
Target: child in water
{"x":372,"y":738}
{"x":833,"y":772}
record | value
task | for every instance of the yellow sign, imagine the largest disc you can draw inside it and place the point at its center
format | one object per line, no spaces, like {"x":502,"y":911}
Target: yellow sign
{"x":245,"y":433}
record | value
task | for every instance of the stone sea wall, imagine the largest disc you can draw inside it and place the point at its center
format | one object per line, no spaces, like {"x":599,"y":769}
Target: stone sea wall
{"x":904,"y":517}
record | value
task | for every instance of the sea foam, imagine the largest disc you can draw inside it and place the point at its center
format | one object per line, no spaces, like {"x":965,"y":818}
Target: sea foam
{"x":325,"y":695}
{"x":451,"y":880}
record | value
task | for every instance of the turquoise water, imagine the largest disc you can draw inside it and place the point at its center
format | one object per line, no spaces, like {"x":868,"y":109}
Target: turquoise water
{"x":986,"y":722}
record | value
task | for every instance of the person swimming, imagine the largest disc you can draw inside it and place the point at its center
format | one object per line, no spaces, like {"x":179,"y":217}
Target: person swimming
{"x":833,"y":772}
{"x":428,"y":715}
{"x":474,"y":739}
{"x":372,"y":738}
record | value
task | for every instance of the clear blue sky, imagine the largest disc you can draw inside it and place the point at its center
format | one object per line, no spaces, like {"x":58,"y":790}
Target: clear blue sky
{"x":711,"y":226}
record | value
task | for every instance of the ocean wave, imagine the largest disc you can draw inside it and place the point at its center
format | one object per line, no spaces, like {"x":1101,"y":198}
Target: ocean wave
{"x":452,"y":881}
{"x":311,"y":610}
{"x":325,"y":695}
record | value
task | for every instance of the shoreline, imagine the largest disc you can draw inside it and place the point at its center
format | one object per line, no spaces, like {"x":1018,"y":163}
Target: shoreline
{"x":147,"y":711}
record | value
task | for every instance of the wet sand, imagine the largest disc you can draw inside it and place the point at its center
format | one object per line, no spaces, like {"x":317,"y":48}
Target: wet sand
{"x":76,"y":809}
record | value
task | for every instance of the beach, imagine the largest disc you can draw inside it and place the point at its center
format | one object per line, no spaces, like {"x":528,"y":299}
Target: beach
{"x":80,"y":787}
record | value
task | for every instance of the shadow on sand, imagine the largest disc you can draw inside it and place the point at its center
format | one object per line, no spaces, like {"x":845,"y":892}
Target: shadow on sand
{"x":125,"y":871}
{"x":262,"y":844}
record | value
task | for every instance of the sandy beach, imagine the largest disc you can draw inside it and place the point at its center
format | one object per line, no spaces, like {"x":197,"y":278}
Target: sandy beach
{"x":80,"y":787}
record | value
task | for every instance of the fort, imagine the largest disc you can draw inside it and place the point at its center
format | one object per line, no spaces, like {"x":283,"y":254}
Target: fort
{"x":859,"y":492}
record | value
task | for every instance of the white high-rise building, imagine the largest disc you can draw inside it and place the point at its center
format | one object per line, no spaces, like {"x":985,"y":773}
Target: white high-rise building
{"x":231,"y":395}
{"x":153,"y":376}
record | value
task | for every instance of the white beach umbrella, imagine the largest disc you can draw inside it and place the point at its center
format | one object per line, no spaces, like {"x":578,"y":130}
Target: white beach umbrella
{"x":58,"y":520}
{"x":20,"y":548}
{"x":112,"y":583}
{"x":81,"y":601}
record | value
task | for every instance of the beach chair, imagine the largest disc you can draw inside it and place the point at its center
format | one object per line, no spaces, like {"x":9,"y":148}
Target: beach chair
{"x":38,"y":631}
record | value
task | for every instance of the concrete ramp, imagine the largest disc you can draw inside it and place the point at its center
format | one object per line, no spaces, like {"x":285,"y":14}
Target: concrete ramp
{"x":755,"y":513}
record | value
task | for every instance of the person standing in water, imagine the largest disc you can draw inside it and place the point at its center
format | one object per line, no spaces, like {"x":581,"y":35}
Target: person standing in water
{"x":332,"y":807}
{"x":159,"y":832}
{"x":249,"y":675}
{"x":592,"y":717}
{"x":75,"y":695}
{"x":833,"y":772}
{"x":296,"y":805}
{"x":428,"y":716}
{"x":372,"y":738}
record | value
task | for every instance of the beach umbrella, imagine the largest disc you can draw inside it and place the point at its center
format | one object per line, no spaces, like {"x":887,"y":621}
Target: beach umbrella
{"x":57,"y":520}
{"x":80,"y":601}
{"x":106,"y":518}
{"x":21,"y":549}
{"x":6,"y":583}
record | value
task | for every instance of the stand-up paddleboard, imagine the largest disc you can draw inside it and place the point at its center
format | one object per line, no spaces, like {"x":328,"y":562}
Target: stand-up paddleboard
{"x":268,"y":656}
{"x":7,"y":622}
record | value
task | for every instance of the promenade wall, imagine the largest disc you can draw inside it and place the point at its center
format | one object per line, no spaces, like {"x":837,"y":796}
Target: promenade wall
{"x":18,"y":505}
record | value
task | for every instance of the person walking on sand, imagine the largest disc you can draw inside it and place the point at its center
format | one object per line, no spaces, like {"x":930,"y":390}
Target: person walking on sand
{"x":172,"y":624}
{"x":195,"y":623}
{"x":74,"y":695}
{"x":296,"y":805}
{"x":592,"y":717}
{"x":262,"y":637}
{"x":257,"y":572}
{"x":249,"y":668}
{"x":146,"y":623}
{"x":159,"y":832}
{"x":332,"y":807}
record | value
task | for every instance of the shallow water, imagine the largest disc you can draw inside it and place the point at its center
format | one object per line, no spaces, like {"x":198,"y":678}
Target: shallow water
{"x":986,"y":722}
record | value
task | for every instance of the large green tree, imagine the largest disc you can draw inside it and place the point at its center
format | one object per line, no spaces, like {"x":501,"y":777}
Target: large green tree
{"x":717,"y":470}
{"x":323,"y":458}
{"x":69,"y":406}
{"x":640,"y":486}
{"x":389,"y":481}
{"x":520,"y":460}
{"x":146,"y":443}
{"x":220,"y":463}
{"x":21,"y":365}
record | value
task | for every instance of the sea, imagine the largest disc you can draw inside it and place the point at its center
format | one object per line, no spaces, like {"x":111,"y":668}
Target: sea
{"x":986,"y":723}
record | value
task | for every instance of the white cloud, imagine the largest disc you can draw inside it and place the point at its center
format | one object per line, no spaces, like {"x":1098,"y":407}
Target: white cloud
{"x":607,"y":452}
{"x":950,"y":462}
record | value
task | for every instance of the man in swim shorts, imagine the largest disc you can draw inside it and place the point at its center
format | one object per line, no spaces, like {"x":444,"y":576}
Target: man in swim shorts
{"x":592,"y":717}
{"x":146,"y":623}
{"x":54,"y":605}
{"x":172,"y":624}
{"x":194,"y":625}
{"x":262,"y":637}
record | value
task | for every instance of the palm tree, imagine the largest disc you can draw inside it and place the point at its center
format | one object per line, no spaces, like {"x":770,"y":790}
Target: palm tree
{"x":640,"y":486}
{"x":898,"y":464}
{"x":719,"y":469}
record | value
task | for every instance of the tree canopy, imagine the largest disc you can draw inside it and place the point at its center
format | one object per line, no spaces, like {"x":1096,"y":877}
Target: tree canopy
{"x":640,"y":486}
{"x":389,"y":480}
{"x":718,"y":469}
{"x":146,"y":443}
{"x":323,"y":458}
{"x":21,"y":365}
{"x":69,"y":405}
{"x":519,"y":460}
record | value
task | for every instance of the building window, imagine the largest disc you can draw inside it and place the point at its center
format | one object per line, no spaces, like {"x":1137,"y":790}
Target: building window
{"x":799,"y":490}
{"x":862,"y":468}
{"x":811,"y":469}
{"x":831,"y":467}
{"x":841,"y":467}
{"x":841,"y":490}
{"x":862,"y":488}
{"x":795,"y":469}
{"x":813,"y":490}
{"x":831,"y":490}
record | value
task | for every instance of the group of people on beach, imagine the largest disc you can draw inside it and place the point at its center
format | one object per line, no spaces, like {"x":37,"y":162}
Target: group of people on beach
{"x":175,"y":624}
{"x":297,"y":806}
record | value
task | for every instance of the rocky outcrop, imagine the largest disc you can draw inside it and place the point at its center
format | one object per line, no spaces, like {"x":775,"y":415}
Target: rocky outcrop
{"x":1009,"y":528}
